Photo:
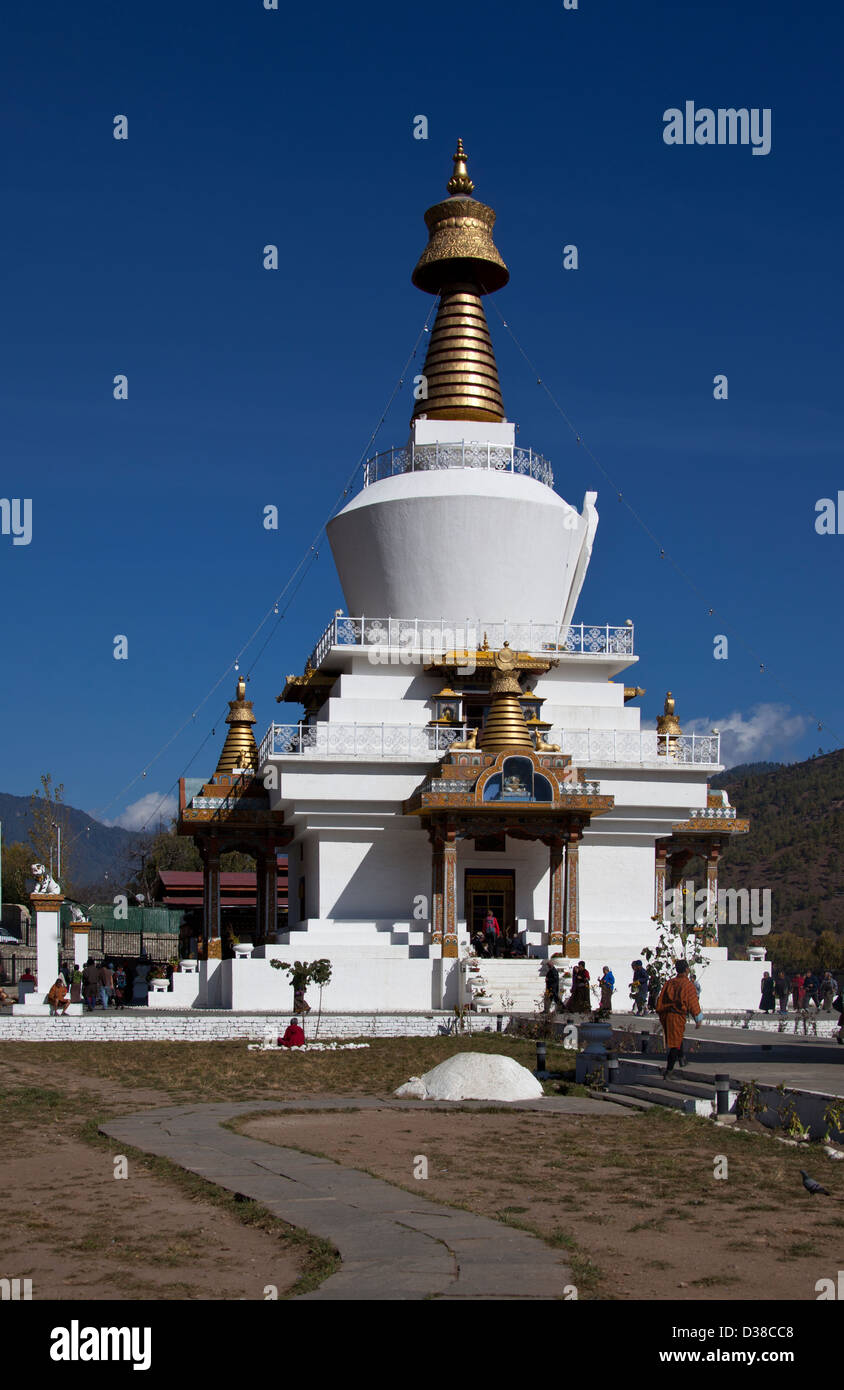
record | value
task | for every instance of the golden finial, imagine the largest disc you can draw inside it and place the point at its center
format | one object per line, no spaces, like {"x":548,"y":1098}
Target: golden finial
{"x":241,"y":689}
{"x":461,"y":264}
{"x":460,"y":181}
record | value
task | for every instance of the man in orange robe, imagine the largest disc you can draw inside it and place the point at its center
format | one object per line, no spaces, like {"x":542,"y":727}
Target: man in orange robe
{"x":677,"y":998}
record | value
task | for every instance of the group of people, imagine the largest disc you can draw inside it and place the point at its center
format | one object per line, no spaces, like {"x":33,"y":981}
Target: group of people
{"x":579,"y":1001}
{"x":646,"y":985}
{"x":490,"y":941}
{"x":820,"y":990}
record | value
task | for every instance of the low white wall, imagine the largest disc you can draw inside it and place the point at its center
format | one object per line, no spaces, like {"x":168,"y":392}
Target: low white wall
{"x":185,"y":994}
{"x":136,"y":1025}
{"x":357,"y":982}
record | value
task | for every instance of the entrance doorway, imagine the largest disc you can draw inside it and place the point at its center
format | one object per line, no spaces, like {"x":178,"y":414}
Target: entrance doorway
{"x":496,"y":890}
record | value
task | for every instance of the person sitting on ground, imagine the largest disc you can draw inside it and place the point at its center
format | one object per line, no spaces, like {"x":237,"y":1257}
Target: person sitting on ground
{"x":478,"y":943}
{"x":57,"y":998}
{"x":294,"y":1035}
{"x":5,"y":998}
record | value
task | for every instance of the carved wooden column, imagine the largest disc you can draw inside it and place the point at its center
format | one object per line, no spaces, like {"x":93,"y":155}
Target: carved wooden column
{"x":266,"y":897}
{"x":572,"y":907}
{"x":436,"y":889}
{"x":660,"y":866}
{"x":556,"y":894}
{"x":713,"y":854}
{"x":449,"y":895}
{"x":211,"y":905}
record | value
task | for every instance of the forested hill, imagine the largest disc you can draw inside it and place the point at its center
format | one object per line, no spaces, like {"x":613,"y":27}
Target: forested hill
{"x":796,"y":842}
{"x":93,"y":850}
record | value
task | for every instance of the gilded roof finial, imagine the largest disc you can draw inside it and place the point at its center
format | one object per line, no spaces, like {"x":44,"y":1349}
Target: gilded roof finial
{"x":460,"y":181}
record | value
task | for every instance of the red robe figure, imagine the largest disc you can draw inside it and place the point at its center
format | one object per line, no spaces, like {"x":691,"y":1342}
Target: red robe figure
{"x":294,"y":1035}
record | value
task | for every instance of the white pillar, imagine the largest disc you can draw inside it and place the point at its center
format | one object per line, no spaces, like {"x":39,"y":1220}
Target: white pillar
{"x":80,"y":943}
{"x":48,"y":927}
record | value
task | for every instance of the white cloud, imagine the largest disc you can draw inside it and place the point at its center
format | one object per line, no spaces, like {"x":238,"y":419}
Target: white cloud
{"x":761,"y":735}
{"x":146,"y":813}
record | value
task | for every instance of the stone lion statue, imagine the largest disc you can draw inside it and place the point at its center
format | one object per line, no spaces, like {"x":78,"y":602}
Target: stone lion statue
{"x":46,"y":883}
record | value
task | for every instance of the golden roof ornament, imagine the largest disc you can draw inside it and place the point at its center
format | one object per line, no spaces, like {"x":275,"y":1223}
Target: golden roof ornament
{"x":239,"y":749}
{"x":504,"y":726}
{"x":668,"y":725}
{"x":461,"y":264}
{"x":460,"y":181}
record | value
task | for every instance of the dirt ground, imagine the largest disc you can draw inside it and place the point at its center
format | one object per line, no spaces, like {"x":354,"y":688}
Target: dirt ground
{"x":634,"y":1198}
{"x":79,"y":1232}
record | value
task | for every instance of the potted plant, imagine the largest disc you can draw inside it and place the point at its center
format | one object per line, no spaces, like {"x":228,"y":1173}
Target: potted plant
{"x":76,"y":987}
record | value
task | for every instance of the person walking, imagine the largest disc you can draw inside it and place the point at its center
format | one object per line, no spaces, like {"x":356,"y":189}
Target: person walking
{"x":781,"y":990}
{"x":828,"y":991}
{"x":767,"y":1002}
{"x":105,"y":981}
{"x":677,"y":999}
{"x":90,"y":985}
{"x":579,"y":1002}
{"x":607,"y":987}
{"x":811,"y":985}
{"x":492,"y":933}
{"x":119,"y":987}
{"x":798,"y":990}
{"x":552,"y":986}
{"x":653,"y":988}
{"x":639,"y":987}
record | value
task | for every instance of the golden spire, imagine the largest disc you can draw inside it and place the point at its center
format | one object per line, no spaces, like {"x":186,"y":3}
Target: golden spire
{"x":239,"y":749}
{"x":667,"y":727}
{"x":504,"y":728}
{"x":461,"y":264}
{"x":460,"y":181}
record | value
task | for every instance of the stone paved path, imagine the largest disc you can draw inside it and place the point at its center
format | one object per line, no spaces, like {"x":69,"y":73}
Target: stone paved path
{"x":393,"y":1244}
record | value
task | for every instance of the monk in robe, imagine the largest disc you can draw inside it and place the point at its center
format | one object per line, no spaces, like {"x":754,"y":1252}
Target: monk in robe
{"x":294,"y":1035}
{"x":677,"y":998}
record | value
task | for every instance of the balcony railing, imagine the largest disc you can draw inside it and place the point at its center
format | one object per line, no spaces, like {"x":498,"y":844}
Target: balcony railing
{"x":412,"y":742}
{"x":325,"y":739}
{"x":589,"y":746}
{"x":499,"y":458}
{"x":427,"y":638}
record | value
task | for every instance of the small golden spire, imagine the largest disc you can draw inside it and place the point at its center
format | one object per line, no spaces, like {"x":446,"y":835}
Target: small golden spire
{"x":460,"y":181}
{"x":504,"y":726}
{"x":239,"y":749}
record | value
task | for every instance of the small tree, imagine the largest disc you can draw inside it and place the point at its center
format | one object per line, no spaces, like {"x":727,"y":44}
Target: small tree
{"x":303,"y":973}
{"x":675,"y":941}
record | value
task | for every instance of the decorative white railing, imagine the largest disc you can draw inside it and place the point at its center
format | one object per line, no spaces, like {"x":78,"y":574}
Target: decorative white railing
{"x":416,"y":458}
{"x":638,"y":746}
{"x":712,"y":812}
{"x":326,"y":739}
{"x":431,"y":637}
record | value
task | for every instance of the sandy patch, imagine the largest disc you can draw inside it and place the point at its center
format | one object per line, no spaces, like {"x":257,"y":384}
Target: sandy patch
{"x":636,"y":1193}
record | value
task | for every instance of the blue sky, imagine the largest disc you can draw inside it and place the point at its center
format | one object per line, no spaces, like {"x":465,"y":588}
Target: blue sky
{"x":249,"y":387}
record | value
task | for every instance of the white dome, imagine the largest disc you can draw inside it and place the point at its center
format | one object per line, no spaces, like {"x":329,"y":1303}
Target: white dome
{"x":460,"y":543}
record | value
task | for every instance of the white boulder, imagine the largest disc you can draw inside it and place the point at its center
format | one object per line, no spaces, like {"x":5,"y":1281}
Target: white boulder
{"x":474,"y":1076}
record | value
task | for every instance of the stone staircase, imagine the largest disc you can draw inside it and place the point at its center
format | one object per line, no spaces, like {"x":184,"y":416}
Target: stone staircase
{"x":513,"y":986}
{"x":688,"y":1090}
